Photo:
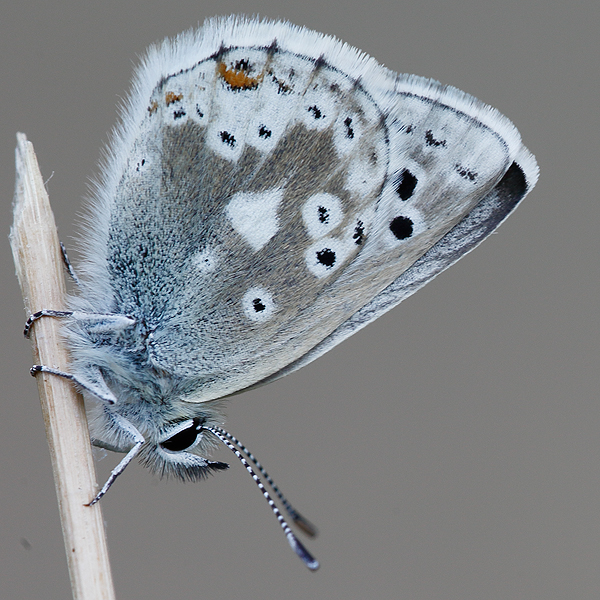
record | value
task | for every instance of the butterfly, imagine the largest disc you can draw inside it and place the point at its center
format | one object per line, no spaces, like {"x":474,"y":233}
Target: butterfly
{"x":268,"y":192}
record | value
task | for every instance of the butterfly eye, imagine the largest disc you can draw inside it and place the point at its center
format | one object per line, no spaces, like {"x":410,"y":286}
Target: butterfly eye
{"x":182,"y":439}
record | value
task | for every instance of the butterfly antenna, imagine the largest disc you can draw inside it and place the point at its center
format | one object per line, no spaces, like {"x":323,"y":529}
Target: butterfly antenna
{"x":302,"y":523}
{"x":294,"y":542}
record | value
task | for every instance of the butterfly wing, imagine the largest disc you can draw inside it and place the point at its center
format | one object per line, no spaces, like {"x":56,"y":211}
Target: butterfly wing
{"x":491,"y":211}
{"x":265,"y":203}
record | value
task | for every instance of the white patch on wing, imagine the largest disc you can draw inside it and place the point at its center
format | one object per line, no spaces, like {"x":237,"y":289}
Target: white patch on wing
{"x":258,"y":304}
{"x":254,"y":215}
{"x":205,"y":260}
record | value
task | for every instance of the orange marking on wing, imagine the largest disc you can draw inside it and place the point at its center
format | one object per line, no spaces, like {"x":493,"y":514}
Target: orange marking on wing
{"x":172,"y":97}
{"x":238,"y":79}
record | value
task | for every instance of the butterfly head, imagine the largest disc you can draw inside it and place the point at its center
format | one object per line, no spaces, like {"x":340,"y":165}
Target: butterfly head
{"x":180,"y":450}
{"x":172,"y":445}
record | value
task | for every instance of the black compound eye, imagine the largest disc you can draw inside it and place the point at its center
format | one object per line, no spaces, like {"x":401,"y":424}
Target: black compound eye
{"x":183,"y":439}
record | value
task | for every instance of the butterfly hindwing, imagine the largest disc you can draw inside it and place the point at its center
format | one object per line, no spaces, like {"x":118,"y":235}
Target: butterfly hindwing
{"x":491,"y":211}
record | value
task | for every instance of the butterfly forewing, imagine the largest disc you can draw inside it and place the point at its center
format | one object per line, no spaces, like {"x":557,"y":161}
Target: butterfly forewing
{"x":284,"y":192}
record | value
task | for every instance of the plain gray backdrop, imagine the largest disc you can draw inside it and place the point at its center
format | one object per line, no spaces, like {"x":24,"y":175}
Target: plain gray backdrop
{"x":451,"y":450}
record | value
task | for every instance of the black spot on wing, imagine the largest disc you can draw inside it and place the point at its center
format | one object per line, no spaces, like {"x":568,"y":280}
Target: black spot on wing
{"x":264,"y":132}
{"x":227,"y":138}
{"x":401,"y":227}
{"x":406,"y":185}
{"x":349,"y":128}
{"x":431,"y":141}
{"x":326,"y":257}
{"x":258,"y":305}
{"x":316,"y":112}
{"x":359,"y":233}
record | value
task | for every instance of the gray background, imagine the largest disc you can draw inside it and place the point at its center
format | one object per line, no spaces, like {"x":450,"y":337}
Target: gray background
{"x":451,"y":450}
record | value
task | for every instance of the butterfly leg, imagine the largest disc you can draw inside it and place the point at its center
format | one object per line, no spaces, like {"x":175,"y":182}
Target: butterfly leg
{"x":138,"y":441}
{"x":54,"y":313}
{"x":95,"y":384}
{"x":92,"y":322}
{"x":69,"y":266}
{"x":93,"y":381}
{"x":44,"y":313}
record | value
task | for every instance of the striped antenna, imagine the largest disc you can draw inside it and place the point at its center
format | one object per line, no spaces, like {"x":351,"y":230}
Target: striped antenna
{"x":304,"y":524}
{"x":294,"y":542}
